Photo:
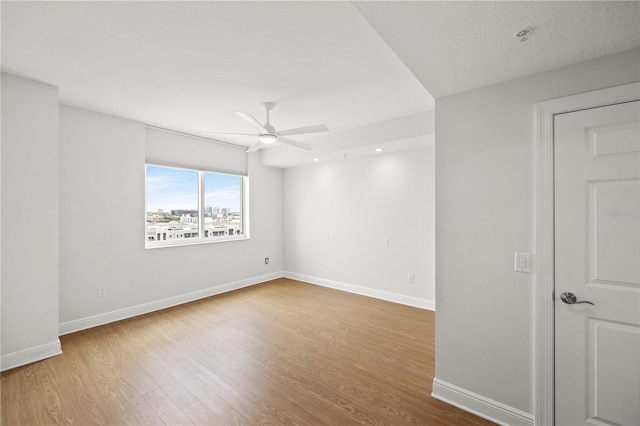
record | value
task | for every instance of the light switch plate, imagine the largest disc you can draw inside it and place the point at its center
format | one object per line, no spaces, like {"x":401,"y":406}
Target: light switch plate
{"x":522,"y":262}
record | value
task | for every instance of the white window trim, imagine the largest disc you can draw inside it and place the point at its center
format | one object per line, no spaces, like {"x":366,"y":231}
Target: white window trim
{"x":244,"y":196}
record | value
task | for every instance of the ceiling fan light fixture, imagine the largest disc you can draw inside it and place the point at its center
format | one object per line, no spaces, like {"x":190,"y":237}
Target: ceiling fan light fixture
{"x":267,"y":138}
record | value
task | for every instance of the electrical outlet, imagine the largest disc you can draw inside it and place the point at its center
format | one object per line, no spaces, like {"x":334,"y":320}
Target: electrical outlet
{"x":102,"y":291}
{"x":410,"y":278}
{"x":266,"y":260}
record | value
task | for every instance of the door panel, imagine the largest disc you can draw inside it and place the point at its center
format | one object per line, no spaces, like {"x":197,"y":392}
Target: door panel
{"x":616,"y":139}
{"x":614,"y":255}
{"x":597,"y":258}
{"x":605,"y":378}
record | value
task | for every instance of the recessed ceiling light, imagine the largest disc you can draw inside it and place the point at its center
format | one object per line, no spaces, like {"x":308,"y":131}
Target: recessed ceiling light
{"x":316,"y":159}
{"x":378,"y":149}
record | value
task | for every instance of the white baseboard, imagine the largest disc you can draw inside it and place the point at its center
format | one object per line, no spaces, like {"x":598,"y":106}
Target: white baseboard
{"x":480,"y":405}
{"x":351,"y":288}
{"x":27,"y":356}
{"x":145,"y":308}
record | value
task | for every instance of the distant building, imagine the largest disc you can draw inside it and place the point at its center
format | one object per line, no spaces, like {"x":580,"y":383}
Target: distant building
{"x":177,"y":231}
{"x":218,"y":223}
{"x":185,"y":218}
{"x":181,"y":212}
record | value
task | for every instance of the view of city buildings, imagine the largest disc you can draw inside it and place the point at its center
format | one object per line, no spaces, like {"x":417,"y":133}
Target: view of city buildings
{"x":172,"y":199}
{"x":181,"y":224}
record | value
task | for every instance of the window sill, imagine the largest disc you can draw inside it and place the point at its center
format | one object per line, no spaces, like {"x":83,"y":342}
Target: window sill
{"x":193,"y":242}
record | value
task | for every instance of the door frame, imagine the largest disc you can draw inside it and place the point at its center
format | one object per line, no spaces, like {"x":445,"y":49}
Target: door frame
{"x":543,"y":234}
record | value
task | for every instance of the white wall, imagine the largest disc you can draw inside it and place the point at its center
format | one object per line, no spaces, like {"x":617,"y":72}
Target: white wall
{"x":102,"y":222}
{"x":358,"y":202}
{"x":29,"y":221}
{"x":484,"y":211}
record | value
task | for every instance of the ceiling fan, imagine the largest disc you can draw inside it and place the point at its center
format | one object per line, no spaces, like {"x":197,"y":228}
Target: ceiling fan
{"x":268,"y":135}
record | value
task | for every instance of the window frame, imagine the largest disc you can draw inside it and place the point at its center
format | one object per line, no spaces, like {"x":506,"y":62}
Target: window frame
{"x":201,"y":239}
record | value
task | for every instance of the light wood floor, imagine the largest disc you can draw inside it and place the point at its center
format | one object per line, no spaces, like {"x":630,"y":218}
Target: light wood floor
{"x":282,"y":352}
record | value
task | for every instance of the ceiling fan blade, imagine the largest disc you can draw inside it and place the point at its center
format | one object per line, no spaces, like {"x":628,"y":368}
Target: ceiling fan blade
{"x":251,"y":119}
{"x":298,"y":144}
{"x":256,"y":146}
{"x":226,"y":133}
{"x":307,"y":129}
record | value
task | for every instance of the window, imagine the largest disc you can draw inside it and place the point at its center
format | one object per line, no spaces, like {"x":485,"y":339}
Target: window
{"x":186,"y":206}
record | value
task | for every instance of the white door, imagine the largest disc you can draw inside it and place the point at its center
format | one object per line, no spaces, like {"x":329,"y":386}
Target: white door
{"x":597,"y":259}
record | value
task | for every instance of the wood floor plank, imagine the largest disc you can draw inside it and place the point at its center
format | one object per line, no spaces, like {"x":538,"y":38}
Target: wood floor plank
{"x":280,"y":353}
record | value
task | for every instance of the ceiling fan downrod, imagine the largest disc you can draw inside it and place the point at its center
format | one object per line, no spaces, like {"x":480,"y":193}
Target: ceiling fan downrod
{"x":271,"y":137}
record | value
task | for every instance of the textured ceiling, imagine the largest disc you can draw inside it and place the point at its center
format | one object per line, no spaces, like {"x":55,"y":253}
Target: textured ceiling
{"x":454,"y":46}
{"x":354,"y":66}
{"x":188,"y":66}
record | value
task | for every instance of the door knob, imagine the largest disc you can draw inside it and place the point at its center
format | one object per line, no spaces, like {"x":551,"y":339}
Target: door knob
{"x":571,"y":299}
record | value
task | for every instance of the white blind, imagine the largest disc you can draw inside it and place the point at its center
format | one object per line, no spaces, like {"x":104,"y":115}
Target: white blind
{"x":168,"y":148}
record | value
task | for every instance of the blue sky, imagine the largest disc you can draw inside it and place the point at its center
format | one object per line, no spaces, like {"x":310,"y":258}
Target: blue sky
{"x":170,"y":188}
